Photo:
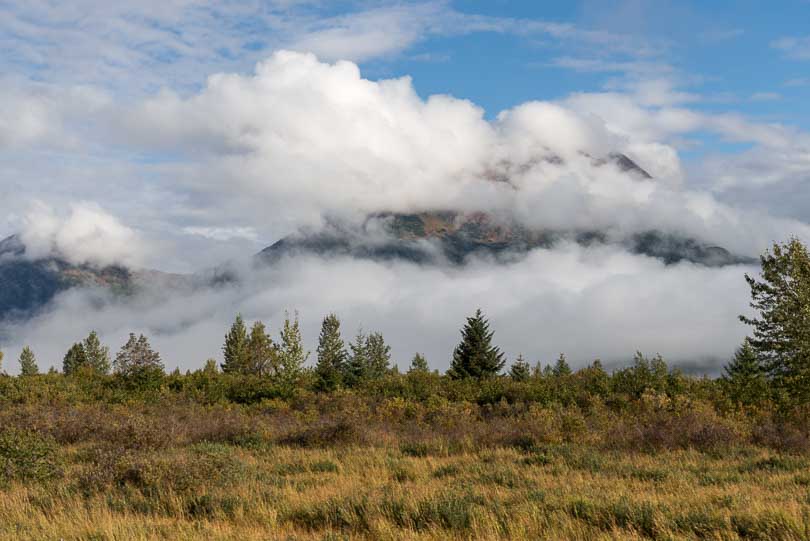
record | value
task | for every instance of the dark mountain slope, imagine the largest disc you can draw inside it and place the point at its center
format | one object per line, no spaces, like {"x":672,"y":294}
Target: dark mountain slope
{"x":453,"y":237}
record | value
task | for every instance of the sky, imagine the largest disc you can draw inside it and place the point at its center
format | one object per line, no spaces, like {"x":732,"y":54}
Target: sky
{"x":179,"y":134}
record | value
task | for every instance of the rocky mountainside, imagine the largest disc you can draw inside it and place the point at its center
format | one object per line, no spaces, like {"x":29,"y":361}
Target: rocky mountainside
{"x":435,"y":237}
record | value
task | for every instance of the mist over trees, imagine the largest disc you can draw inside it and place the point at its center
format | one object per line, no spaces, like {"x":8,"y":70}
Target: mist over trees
{"x":772,"y":366}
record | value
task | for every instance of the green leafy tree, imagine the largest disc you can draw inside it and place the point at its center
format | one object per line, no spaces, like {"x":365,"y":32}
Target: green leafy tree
{"x":594,"y":379}
{"x":332,"y":355}
{"x":210,"y":367}
{"x":520,"y":370}
{"x":475,"y":356}
{"x":137,"y":357}
{"x":75,"y":359}
{"x":235,"y":350}
{"x":561,"y":367}
{"x":97,"y":355}
{"x":744,"y":380}
{"x":261,"y":352}
{"x":291,"y":353}
{"x":419,"y":364}
{"x":781,"y":337}
{"x":28,"y":363}
{"x":645,"y":374}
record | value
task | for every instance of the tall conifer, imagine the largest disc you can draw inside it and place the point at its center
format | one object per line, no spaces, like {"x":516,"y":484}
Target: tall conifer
{"x":475,"y":356}
{"x":235,"y":349}
{"x":28,"y":363}
{"x":331,"y":355}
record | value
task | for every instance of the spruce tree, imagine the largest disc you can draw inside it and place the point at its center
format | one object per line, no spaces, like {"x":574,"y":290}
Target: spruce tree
{"x":475,"y":356}
{"x":781,"y":336}
{"x":561,"y":367}
{"x":28,"y":363}
{"x":261,"y":352}
{"x":331,"y":355}
{"x":97,"y":355}
{"x":355,"y":370}
{"x":744,"y":379}
{"x":235,"y":349}
{"x":136,"y":357}
{"x":291,"y":353}
{"x":520,"y":371}
{"x":379,"y":356}
{"x":419,"y":364}
{"x":1,"y":362}
{"x":75,"y":359}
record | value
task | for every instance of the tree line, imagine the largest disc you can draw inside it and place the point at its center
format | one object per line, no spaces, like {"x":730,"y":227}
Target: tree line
{"x":772,"y":364}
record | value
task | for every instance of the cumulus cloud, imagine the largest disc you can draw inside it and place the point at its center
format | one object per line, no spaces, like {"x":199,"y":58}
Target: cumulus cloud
{"x":86,"y":234}
{"x":267,"y":143}
{"x":587,"y":302}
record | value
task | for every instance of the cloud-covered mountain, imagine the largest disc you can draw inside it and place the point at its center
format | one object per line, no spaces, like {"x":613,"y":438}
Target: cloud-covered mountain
{"x":28,"y":284}
{"x":573,"y":223}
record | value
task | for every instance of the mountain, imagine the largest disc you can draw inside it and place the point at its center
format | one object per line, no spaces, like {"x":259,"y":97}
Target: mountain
{"x":450,"y":236}
{"x":446,"y":236}
{"x":27,"y":285}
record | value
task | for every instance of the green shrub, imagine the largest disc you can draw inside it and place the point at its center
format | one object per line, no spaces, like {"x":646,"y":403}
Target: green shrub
{"x":27,"y":456}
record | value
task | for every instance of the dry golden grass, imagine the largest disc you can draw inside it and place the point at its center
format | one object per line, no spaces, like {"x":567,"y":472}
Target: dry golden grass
{"x":220,"y":491}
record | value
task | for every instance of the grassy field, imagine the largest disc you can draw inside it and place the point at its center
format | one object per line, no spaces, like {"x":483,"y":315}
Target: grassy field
{"x":210,"y":456}
{"x":255,"y":491}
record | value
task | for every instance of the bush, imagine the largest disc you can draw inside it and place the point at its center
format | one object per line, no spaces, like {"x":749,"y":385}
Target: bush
{"x":27,"y":456}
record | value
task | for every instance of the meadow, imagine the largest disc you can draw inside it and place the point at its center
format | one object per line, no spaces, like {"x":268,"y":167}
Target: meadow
{"x":416,"y":456}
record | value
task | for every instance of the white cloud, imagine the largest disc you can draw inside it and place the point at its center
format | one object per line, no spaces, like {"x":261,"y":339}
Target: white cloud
{"x":263,"y":148}
{"x":87,"y":234}
{"x":223,"y":233}
{"x":794,"y":47}
{"x":370,"y":34}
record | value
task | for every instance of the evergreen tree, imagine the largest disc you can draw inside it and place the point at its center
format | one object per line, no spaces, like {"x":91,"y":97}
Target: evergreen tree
{"x":137,"y":357}
{"x":331,"y":355}
{"x":419,"y":364}
{"x":1,"y":362}
{"x":379,"y":356}
{"x":261,"y":352}
{"x":781,"y":337}
{"x":291,"y":354}
{"x":355,"y":370}
{"x":561,"y":367}
{"x":97,"y":355}
{"x":28,"y":363}
{"x":744,"y":379}
{"x":520,"y":371}
{"x":75,"y":359}
{"x":475,"y":356}
{"x":235,"y":349}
